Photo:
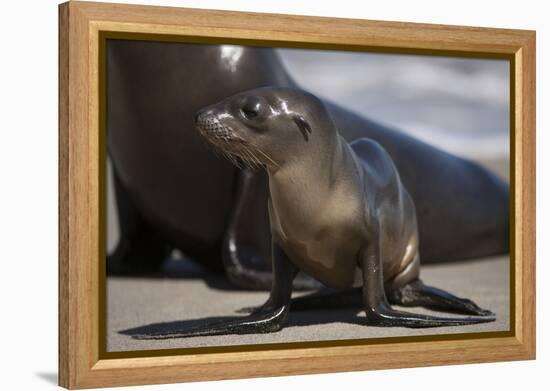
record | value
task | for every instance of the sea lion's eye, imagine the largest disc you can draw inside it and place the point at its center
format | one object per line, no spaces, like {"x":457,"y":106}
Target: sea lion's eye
{"x":251,"y":108}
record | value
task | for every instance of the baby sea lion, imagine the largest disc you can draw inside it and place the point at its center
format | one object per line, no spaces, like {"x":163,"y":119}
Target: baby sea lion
{"x":173,"y":193}
{"x":338,"y":212}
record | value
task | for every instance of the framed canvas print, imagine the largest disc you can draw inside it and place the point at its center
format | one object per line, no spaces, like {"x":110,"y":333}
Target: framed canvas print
{"x":297,"y":194}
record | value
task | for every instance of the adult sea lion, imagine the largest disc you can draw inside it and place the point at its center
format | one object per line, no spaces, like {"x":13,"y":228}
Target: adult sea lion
{"x":174,"y":193}
{"x":337,"y":211}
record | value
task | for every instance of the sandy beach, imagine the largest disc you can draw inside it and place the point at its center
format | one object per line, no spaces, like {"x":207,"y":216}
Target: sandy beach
{"x":186,"y":296}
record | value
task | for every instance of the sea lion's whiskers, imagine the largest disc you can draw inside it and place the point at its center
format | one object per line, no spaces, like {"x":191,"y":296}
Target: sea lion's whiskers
{"x":219,"y":143}
{"x":253,"y":159}
{"x":248,"y":153}
{"x":248,"y":157}
{"x":257,"y":160}
{"x":228,"y":154}
{"x":237,"y":160}
{"x":267,"y":157}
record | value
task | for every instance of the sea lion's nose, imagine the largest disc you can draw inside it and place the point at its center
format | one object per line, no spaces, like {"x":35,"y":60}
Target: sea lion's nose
{"x":198,"y":115}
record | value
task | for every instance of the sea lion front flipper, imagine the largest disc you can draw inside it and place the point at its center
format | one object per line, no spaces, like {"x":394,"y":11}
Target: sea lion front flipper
{"x":416,"y":293}
{"x":268,"y":318}
{"x":377,"y":308}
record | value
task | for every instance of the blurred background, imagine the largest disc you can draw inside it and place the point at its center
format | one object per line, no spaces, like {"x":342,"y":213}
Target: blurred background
{"x":460,"y":105}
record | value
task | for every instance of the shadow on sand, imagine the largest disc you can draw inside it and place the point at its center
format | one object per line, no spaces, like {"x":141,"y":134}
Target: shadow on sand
{"x":168,"y":330}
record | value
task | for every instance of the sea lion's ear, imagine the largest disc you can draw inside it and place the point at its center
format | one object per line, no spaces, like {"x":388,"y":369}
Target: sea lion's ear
{"x":303,"y":125}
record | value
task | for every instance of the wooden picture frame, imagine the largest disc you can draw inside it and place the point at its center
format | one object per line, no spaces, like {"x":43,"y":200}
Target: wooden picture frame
{"x":82,"y":363}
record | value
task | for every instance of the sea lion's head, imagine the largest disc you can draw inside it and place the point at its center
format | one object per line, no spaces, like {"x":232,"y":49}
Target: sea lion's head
{"x":266,"y":126}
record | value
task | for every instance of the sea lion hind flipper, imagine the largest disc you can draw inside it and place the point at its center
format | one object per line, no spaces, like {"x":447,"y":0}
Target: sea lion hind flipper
{"x":416,"y":293}
{"x":378,"y":310}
